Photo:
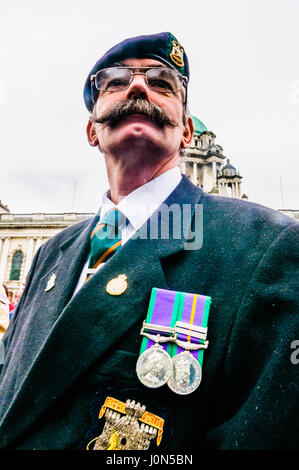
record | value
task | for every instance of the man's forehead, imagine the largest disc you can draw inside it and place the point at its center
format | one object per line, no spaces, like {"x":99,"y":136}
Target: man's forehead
{"x":134,"y":62}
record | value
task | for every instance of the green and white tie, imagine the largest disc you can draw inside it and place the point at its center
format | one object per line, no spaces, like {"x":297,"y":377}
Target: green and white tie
{"x":105,"y":239}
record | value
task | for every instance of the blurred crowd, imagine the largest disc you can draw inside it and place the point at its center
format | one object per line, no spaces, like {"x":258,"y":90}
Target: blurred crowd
{"x":8,"y":303}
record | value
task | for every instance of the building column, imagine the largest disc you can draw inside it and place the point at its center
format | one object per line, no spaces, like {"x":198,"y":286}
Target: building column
{"x":183,"y":166}
{"x":203,"y":171}
{"x":224,"y":189}
{"x":195,"y":173}
{"x":39,"y":242}
{"x":214,"y":173}
{"x":3,"y":261}
{"x":29,"y":256}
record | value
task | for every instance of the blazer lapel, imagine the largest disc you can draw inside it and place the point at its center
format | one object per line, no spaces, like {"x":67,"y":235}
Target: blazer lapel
{"x":82,"y":334}
{"x":65,"y":271}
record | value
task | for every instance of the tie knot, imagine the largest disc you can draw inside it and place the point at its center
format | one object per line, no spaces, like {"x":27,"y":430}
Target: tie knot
{"x":105,"y":239}
{"x":113,"y":218}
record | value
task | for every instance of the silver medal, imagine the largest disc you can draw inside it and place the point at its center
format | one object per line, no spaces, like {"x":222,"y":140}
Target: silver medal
{"x":154,"y":367}
{"x":186,"y":375}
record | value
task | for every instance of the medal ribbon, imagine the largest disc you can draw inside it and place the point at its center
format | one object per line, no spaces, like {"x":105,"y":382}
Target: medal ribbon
{"x":162,"y":310}
{"x":194,"y":310}
{"x":166,"y":307}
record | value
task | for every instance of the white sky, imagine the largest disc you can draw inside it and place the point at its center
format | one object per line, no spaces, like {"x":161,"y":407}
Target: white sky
{"x":244,"y":86}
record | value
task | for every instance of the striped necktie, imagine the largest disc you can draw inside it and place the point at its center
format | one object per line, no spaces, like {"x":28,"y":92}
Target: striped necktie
{"x":105,"y":239}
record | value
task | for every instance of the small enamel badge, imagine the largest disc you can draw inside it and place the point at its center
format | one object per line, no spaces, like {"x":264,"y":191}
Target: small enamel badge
{"x":177,"y":53}
{"x":51,"y":282}
{"x":118,"y":285}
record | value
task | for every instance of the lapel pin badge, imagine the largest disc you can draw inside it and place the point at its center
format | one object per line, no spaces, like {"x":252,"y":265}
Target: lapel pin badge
{"x":118,"y":285}
{"x":51,"y":282}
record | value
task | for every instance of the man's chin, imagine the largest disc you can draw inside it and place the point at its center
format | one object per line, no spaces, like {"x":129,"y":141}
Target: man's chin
{"x":139,"y":140}
{"x":136,"y":128}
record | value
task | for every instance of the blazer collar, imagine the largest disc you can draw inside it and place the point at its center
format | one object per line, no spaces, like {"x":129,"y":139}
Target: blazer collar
{"x":181,"y":205}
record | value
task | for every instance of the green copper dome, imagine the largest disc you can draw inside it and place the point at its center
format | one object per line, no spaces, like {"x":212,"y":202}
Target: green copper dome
{"x":199,"y":126}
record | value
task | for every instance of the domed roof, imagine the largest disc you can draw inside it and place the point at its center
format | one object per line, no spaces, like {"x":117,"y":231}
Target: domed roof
{"x":199,"y":126}
{"x":228,"y":169}
{"x":228,"y":165}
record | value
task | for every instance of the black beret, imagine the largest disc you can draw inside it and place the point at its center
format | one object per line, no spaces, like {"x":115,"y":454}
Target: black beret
{"x":161,"y":46}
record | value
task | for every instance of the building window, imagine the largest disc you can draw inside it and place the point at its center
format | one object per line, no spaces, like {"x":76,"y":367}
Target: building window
{"x":16,"y":265}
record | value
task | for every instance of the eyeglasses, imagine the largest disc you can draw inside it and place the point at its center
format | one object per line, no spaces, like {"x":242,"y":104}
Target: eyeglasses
{"x":159,"y":79}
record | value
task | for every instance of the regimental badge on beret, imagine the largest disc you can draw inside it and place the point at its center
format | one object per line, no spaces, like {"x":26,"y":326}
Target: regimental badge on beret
{"x":177,"y":53}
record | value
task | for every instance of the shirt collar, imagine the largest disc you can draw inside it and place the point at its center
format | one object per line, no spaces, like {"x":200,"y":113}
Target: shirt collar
{"x":140,"y":204}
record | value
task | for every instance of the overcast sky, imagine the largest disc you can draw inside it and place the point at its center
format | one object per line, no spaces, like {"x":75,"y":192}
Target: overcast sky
{"x":244,"y":86}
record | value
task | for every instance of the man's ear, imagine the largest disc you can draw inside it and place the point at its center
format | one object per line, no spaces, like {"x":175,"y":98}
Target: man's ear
{"x":91,"y":134}
{"x":187,"y":134}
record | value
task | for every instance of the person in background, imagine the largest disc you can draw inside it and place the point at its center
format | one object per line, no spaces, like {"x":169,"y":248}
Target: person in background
{"x":4,"y":309}
{"x":12,"y":304}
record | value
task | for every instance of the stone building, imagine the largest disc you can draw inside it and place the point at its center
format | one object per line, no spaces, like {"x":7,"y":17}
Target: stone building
{"x":20,"y":237}
{"x":206,"y":166}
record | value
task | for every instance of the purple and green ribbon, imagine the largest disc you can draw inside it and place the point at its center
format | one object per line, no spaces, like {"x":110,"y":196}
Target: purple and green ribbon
{"x":166,"y":307}
{"x":162,"y":310}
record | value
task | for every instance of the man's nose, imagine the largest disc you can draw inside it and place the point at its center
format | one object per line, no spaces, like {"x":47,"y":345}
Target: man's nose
{"x":138,"y":88}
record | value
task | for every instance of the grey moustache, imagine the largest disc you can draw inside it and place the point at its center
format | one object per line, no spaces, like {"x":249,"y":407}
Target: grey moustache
{"x":139,"y":106}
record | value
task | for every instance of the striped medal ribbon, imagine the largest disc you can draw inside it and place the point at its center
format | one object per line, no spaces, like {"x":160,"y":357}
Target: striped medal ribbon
{"x":191,"y":341}
{"x":174,"y":337}
{"x":154,"y":365}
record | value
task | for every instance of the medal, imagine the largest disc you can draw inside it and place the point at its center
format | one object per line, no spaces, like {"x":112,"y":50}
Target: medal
{"x":186,"y":375}
{"x":180,"y":320}
{"x":154,"y":367}
{"x":190,"y":341}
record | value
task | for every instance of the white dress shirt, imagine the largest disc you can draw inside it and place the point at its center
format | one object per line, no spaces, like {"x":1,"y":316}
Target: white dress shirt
{"x":138,"y":206}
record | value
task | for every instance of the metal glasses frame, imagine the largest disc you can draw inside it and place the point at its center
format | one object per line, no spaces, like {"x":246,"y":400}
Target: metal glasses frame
{"x":140,"y":71}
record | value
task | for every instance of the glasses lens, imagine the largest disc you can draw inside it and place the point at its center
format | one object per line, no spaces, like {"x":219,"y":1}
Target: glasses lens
{"x":163,"y":80}
{"x":112,"y":79}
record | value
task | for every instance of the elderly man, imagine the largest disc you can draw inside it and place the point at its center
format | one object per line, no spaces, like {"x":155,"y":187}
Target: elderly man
{"x":211,"y":290}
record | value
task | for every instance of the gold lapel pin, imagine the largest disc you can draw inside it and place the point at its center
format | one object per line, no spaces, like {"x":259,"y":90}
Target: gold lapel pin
{"x":118,"y":285}
{"x":51,"y":282}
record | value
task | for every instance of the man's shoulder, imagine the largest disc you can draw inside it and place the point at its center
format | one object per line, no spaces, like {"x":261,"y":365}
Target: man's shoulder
{"x":233,"y":211}
{"x":243,"y":212}
{"x":240,"y":226}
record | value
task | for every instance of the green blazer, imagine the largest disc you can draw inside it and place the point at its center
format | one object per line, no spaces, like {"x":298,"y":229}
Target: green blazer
{"x":65,"y":355}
